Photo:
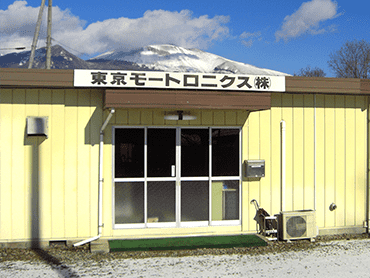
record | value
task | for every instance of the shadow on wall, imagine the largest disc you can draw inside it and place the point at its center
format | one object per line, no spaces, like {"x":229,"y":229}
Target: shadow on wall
{"x":92,"y":128}
{"x":34,"y":210}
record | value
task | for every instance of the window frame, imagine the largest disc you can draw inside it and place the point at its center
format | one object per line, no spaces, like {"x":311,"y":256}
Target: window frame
{"x":177,"y":178}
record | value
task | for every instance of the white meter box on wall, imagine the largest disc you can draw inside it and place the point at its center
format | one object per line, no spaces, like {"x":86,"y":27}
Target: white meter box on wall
{"x":255,"y":168}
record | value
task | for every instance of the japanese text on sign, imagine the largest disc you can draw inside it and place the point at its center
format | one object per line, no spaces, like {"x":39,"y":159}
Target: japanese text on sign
{"x":128,"y":79}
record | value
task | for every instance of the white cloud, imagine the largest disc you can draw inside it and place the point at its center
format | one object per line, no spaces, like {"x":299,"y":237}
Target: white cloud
{"x":246,"y":35}
{"x":17,"y":25}
{"x":251,"y":38}
{"x":308,"y":19}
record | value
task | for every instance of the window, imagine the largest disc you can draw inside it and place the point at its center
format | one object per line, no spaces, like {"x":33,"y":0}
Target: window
{"x":176,"y":177}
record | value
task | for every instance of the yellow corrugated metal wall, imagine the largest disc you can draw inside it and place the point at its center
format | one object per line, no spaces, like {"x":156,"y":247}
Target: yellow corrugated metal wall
{"x":62,"y":171}
{"x":58,"y":174}
{"x":341,"y":153}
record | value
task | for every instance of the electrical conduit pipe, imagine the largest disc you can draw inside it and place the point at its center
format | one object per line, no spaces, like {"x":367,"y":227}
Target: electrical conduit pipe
{"x":100,"y":201}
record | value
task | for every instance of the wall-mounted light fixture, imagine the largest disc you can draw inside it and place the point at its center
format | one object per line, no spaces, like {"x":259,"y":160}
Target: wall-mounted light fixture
{"x":180,"y":117}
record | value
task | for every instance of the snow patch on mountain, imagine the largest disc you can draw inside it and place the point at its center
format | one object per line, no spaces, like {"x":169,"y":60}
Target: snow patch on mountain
{"x":168,"y":58}
{"x":179,"y":59}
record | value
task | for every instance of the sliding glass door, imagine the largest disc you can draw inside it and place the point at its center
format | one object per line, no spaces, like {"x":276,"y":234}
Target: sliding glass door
{"x":176,"y":177}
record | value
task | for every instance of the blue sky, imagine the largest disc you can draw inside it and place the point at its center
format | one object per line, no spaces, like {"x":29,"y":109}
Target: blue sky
{"x":284,"y":35}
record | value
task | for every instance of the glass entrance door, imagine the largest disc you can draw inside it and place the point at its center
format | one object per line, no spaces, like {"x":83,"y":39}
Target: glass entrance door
{"x":161,"y":176}
{"x":176,"y":177}
{"x":194,"y":176}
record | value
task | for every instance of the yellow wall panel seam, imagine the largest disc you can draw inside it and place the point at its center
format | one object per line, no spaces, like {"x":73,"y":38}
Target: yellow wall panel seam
{"x":70,"y":129}
{"x":355,"y":162}
{"x":350,"y":161}
{"x":89,"y":167}
{"x":345,"y":165}
{"x":90,"y":139}
{"x":335,"y":159}
{"x":287,"y":113}
{"x":305,"y":152}
{"x":50,"y":154}
{"x":292,"y":121}
{"x":360,"y":160}
{"x":16,"y":158}
{"x":77,"y":165}
{"x":340,"y":161}
{"x":272,"y":197}
{"x":275,"y":151}
{"x":325,"y":163}
{"x":304,"y":147}
{"x":330,"y":145}
{"x":298,"y":154}
{"x":259,"y":153}
{"x":76,"y":146}
{"x":64,"y":168}
{"x":11,"y":165}
{"x":64,"y":165}
{"x":356,"y":167}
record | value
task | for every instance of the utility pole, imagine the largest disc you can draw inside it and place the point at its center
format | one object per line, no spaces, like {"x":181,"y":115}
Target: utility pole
{"x":48,"y":40}
{"x":36,"y":35}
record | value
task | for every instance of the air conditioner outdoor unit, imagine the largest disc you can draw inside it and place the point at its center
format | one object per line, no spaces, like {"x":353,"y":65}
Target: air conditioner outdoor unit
{"x":300,"y":224}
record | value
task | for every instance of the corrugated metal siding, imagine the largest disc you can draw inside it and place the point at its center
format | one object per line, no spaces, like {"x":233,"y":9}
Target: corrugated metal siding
{"x":62,"y":170}
{"x":65,"y":166}
{"x":156,"y":117}
{"x":340,"y":157}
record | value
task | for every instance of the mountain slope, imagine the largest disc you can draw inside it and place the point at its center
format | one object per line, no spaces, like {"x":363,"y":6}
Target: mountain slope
{"x":168,"y":58}
{"x":178,"y":59}
{"x":61,"y":59}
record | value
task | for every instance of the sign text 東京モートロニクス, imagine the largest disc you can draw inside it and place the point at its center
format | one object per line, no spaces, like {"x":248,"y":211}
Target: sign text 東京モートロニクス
{"x":177,"y":80}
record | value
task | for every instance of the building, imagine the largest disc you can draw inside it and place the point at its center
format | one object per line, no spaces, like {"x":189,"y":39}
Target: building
{"x":171,"y":159}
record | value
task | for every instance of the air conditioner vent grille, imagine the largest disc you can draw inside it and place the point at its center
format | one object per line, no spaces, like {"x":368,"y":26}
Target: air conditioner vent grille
{"x":296,"y":226}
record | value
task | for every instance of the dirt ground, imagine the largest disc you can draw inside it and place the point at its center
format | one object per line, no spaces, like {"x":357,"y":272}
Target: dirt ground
{"x":60,"y":254}
{"x":329,"y":256}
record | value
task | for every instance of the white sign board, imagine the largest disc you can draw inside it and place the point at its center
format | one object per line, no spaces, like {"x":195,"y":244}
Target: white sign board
{"x":177,"y":80}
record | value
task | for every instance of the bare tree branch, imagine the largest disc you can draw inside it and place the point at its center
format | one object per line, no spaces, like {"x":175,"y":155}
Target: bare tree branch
{"x":311,"y":72}
{"x":352,"y":60}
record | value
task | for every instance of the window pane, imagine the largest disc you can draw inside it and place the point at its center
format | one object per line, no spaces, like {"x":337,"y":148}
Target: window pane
{"x":194,"y":152}
{"x":194,"y":201}
{"x":129,"y":202}
{"x":161,"y":151}
{"x":225,"y":152}
{"x":161,"y":201}
{"x":225,"y":200}
{"x":129,"y":153}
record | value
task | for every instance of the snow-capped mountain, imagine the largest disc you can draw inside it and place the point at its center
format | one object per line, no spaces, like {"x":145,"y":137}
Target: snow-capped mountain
{"x":179,"y":59}
{"x":61,"y":59}
{"x":168,"y":58}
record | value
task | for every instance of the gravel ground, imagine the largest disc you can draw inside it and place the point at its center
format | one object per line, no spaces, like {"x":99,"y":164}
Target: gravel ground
{"x":330,"y":256}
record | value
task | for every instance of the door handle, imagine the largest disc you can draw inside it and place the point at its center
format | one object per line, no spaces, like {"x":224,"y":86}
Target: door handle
{"x":173,"y":170}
